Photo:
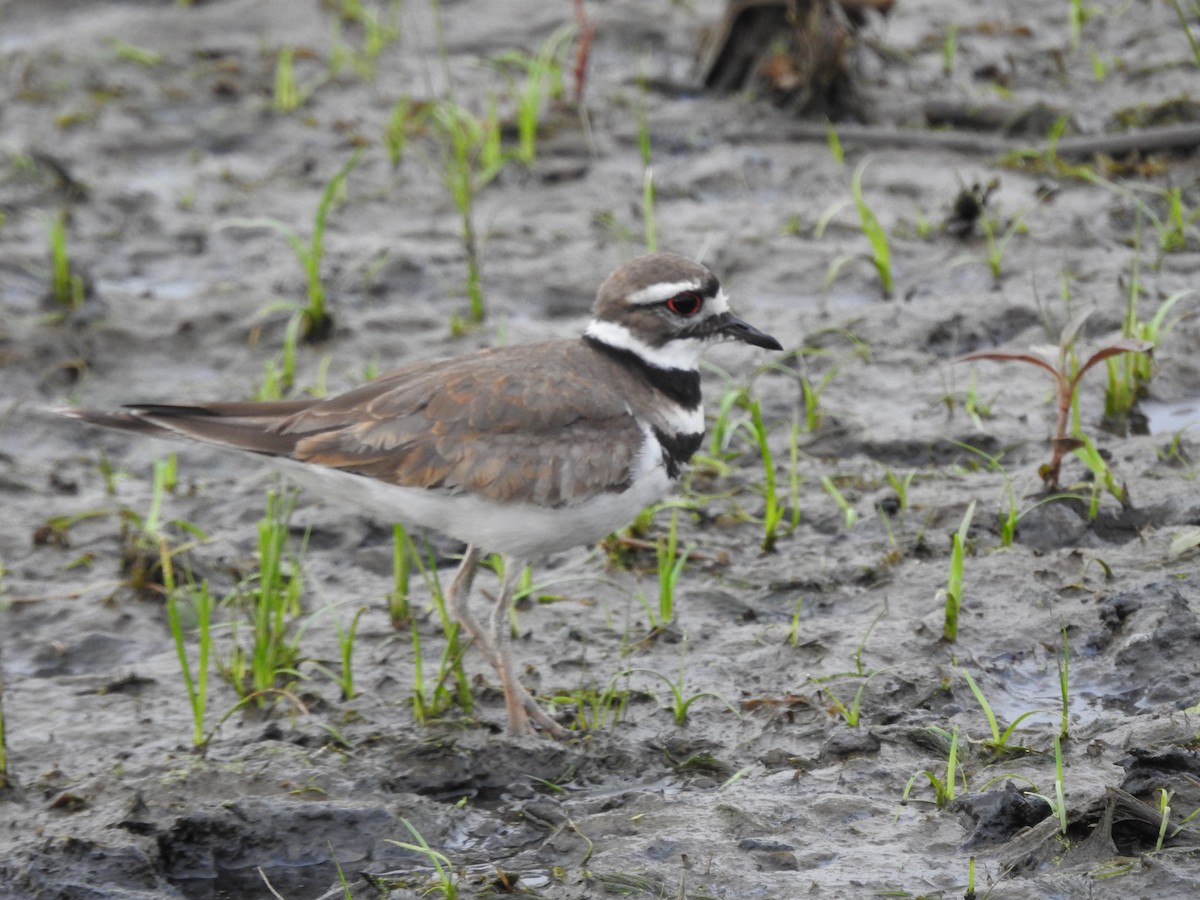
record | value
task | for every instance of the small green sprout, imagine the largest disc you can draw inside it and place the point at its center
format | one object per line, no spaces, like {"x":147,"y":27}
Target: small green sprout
{"x":999,"y":741}
{"x":445,"y":883}
{"x":67,"y":287}
{"x":680,"y":701}
{"x":1057,"y":803}
{"x":881,"y":255}
{"x":954,"y":585}
{"x":945,"y":788}
{"x":543,"y":78}
{"x":849,"y":513}
{"x":316,"y":323}
{"x":196,"y":685}
{"x":471,"y":159}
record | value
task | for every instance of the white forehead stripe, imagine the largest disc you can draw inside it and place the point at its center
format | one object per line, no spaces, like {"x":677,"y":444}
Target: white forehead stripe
{"x":677,"y":354}
{"x":664,"y":290}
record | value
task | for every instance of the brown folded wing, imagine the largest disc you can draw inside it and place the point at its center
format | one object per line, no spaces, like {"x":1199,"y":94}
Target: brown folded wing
{"x":545,"y":424}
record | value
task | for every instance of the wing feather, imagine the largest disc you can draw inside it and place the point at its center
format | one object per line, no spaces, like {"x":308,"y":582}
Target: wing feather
{"x":493,"y":424}
{"x":544,"y":424}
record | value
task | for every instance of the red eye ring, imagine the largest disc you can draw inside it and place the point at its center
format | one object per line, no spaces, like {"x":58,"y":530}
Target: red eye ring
{"x":686,"y":304}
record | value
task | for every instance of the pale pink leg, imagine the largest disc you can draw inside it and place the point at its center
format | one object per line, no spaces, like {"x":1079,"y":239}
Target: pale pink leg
{"x":495,"y":644}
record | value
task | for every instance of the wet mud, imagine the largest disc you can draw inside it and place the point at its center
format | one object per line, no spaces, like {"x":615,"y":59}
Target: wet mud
{"x":814,"y":758}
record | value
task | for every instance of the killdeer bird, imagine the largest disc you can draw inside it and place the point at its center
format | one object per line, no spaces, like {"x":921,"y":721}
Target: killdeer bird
{"x":523,"y":450}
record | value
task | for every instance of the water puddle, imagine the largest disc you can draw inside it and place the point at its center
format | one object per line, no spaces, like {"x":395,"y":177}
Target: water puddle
{"x":145,"y":285}
{"x":1032,"y":684}
{"x":1171,"y":417}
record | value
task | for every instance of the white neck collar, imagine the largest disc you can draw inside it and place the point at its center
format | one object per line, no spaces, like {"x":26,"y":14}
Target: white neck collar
{"x":683,"y":353}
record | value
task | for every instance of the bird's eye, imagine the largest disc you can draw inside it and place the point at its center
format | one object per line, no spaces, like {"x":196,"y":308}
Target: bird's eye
{"x":686,"y":304}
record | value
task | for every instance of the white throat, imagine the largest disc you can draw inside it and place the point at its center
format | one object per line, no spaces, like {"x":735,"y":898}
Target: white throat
{"x":683,"y":353}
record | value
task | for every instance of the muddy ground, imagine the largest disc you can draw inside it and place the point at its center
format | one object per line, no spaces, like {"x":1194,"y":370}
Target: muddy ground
{"x":151,"y":155}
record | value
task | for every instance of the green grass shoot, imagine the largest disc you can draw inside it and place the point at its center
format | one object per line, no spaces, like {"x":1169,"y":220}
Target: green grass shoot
{"x":287,"y":95}
{"x":1187,"y":29}
{"x":724,"y":426}
{"x":949,"y":48}
{"x":277,"y":598}
{"x":316,"y":322}
{"x":1103,"y":478}
{"x":134,"y":54}
{"x":406,"y":119}
{"x":669,"y":562}
{"x":944,"y":787}
{"x":346,"y":637}
{"x":344,"y":677}
{"x":793,"y":637}
{"x":1046,"y":158}
{"x":1164,"y":812}
{"x":1060,"y":801}
{"x":810,"y":396}
{"x":279,"y":372}
{"x":1130,"y":374}
{"x":202,"y":604}
{"x":429,"y":703}
{"x":849,"y":513}
{"x":471,"y":159}
{"x":56,"y":528}
{"x":681,"y":701}
{"x":272,"y":600}
{"x":851,"y":714}
{"x":378,"y":33}
{"x":954,"y":585}
{"x":862,"y":644}
{"x":775,"y":509}
{"x":901,"y":484}
{"x":998,"y":240}
{"x":881,"y":254}
{"x":399,"y":608}
{"x":795,"y":479}
{"x":1064,"y":686}
{"x":834,"y":143}
{"x":1077,"y":15}
{"x":648,"y":210}
{"x":543,"y":79}
{"x":166,"y":476}
{"x":66,"y":287}
{"x":379,"y":30}
{"x":141,"y":560}
{"x":1176,"y":227}
{"x":999,"y":741}
{"x":594,"y":709}
{"x":1009,"y":515}
{"x":445,"y":883}
{"x":1057,"y":803}
{"x":346,"y":892}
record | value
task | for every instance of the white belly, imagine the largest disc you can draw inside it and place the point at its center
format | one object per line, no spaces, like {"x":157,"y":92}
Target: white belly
{"x":521,"y":530}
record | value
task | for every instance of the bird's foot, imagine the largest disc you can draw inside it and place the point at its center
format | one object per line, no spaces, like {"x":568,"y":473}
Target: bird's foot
{"x":524,"y":712}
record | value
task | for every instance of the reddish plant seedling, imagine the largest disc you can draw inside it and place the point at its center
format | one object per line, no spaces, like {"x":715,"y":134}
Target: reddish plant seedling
{"x":1066,"y":383}
{"x":583,"y":49}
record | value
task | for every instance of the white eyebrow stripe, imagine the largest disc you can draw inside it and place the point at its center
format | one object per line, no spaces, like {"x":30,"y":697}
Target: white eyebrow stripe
{"x":657,"y":293}
{"x":720,"y":303}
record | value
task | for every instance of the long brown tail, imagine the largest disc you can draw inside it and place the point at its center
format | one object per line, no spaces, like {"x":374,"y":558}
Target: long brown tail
{"x":254,"y":427}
